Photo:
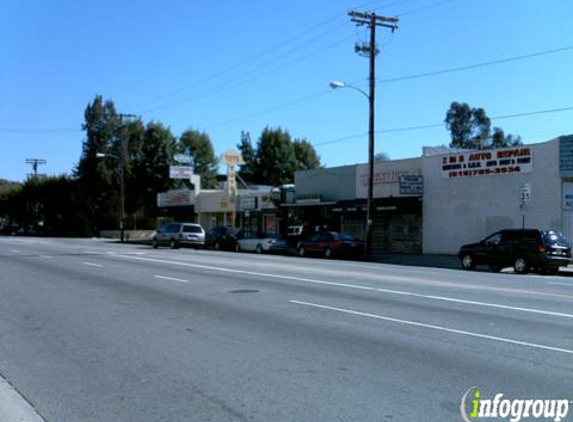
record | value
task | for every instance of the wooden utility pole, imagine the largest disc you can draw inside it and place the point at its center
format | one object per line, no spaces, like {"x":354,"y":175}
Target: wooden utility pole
{"x":372,"y":20}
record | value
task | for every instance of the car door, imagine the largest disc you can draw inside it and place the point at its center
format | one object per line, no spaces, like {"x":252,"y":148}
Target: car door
{"x":313,"y":244}
{"x":487,"y":250}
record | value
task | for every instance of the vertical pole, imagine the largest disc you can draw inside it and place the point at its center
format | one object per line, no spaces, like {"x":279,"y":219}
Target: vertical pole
{"x":122,"y":186}
{"x":369,"y":204}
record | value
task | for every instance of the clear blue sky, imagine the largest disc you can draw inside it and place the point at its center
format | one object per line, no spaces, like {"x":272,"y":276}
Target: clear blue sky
{"x":229,"y":66}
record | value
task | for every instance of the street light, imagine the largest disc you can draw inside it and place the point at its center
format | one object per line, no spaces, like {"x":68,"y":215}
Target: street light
{"x":121,"y":166}
{"x":369,"y":201}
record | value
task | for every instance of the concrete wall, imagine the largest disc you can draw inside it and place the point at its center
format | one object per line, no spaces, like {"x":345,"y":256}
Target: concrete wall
{"x":386,"y":177}
{"x":466,"y":209}
{"x":333,"y":184}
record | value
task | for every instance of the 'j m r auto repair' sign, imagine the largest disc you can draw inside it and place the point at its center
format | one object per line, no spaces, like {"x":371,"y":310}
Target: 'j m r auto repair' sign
{"x":487,"y":163}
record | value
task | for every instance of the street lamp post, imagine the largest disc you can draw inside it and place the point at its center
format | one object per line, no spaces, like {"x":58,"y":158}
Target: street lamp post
{"x":121,"y":165}
{"x":369,"y":201}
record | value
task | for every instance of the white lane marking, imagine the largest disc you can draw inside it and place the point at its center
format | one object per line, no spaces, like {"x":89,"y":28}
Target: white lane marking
{"x":358,"y":287}
{"x":92,"y":264}
{"x":47,"y":256}
{"x":171,"y":279}
{"x":14,"y":251}
{"x":92,"y":253}
{"x":559,"y":284}
{"x":435,"y":327}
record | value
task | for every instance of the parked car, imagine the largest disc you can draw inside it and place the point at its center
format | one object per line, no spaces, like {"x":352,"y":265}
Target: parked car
{"x":177,"y":234}
{"x":256,"y":242}
{"x":330,"y":244}
{"x":524,"y":249}
{"x":222,"y":237}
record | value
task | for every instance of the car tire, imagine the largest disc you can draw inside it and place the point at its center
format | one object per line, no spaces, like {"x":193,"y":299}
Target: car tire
{"x":259,"y":249}
{"x":468,"y":262}
{"x":328,"y":253}
{"x":237,"y":247}
{"x":550,"y":271}
{"x":301,"y":251}
{"x":173,"y":244}
{"x":495,"y":268}
{"x":520,"y":265}
{"x":155,"y":244}
{"x":217,"y":246}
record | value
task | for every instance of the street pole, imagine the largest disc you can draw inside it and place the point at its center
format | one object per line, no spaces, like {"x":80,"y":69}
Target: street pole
{"x":121,"y":162}
{"x":372,"y":20}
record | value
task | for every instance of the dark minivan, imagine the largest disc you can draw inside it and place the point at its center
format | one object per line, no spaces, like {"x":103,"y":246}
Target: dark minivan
{"x":522,"y":249}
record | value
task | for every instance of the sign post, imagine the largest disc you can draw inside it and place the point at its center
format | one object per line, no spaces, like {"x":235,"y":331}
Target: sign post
{"x":524,"y":200}
{"x":232,"y":158}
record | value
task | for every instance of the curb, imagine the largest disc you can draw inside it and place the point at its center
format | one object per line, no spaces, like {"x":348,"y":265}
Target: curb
{"x":14,"y":407}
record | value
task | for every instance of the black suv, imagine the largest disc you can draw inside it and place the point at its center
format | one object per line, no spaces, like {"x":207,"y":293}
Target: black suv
{"x":524,"y":249}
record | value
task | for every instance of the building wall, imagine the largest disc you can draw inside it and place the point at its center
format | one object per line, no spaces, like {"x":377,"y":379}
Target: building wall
{"x":466,"y":209}
{"x":386,"y":177}
{"x":332,"y":184}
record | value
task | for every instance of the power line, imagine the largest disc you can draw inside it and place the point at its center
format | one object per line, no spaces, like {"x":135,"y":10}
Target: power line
{"x":436,"y":125}
{"x":430,"y":6}
{"x":476,"y":65}
{"x":257,"y":56}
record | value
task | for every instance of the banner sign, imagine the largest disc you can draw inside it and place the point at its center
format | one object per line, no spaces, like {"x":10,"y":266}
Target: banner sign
{"x":180,"y":172}
{"x":176,"y":198}
{"x":487,"y":163}
{"x":566,"y":156}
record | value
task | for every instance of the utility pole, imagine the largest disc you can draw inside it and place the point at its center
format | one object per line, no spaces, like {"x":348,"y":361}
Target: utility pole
{"x":35,"y":162}
{"x":121,"y":162}
{"x":372,"y":20}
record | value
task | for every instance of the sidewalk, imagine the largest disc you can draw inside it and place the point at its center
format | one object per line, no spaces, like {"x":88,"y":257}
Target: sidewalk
{"x":437,"y":261}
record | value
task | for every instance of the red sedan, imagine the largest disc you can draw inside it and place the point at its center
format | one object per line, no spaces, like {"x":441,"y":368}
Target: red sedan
{"x":329,"y":244}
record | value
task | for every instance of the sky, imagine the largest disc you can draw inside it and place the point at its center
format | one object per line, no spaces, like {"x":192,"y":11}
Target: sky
{"x":228,"y":66}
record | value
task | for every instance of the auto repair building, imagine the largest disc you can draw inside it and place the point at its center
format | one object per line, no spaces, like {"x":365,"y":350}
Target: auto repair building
{"x":437,"y":202}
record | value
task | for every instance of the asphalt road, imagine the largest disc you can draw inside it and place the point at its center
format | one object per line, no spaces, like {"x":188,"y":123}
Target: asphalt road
{"x":98,"y":331}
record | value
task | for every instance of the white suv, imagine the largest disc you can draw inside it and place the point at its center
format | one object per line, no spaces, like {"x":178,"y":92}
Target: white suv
{"x":177,"y":234}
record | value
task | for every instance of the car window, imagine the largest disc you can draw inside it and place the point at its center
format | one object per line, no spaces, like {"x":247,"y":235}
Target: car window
{"x":494,"y":239}
{"x":192,"y":229}
{"x":325,"y":237}
{"x":344,"y":236}
{"x":315,"y":237}
{"x":552,"y":237}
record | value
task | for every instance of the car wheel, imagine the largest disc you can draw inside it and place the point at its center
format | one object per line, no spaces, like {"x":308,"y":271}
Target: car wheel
{"x":155,"y":243}
{"x":173,"y":244}
{"x":328,"y":253}
{"x":495,"y":268}
{"x":301,"y":251}
{"x":237,"y":247}
{"x":217,"y":246}
{"x":468,"y":262}
{"x":259,"y":249}
{"x":520,"y":265}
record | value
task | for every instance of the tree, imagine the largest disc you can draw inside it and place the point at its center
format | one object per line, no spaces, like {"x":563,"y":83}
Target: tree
{"x":381,"y":156}
{"x":152,"y":167}
{"x":205,"y":164}
{"x":95,"y":175}
{"x":275,"y":157}
{"x":249,"y":170}
{"x":470,"y":128}
{"x":305,"y":155}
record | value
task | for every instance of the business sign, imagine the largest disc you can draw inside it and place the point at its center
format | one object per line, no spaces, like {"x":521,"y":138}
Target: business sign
{"x":566,"y":156}
{"x":487,"y":163}
{"x":180,"y":172}
{"x":232,"y":158}
{"x":567,"y":196}
{"x":176,"y":198}
{"x":411,"y":184}
{"x":182,"y":158}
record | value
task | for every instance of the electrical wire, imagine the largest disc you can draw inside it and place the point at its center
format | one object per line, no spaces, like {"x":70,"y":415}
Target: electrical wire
{"x":436,"y":125}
